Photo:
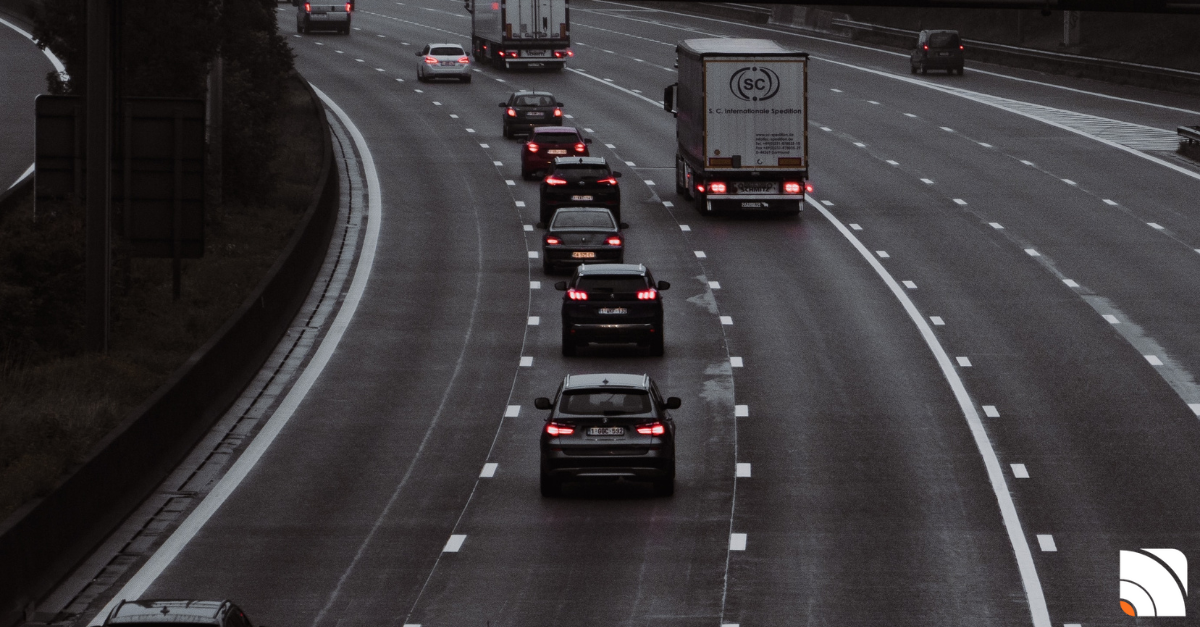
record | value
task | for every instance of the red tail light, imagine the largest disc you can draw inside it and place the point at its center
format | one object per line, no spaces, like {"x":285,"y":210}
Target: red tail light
{"x":558,"y":53}
{"x":808,"y":188}
{"x":307,"y":8}
{"x":575,"y":294}
{"x":608,"y":181}
{"x":791,"y":187}
{"x":654,"y":428}
{"x":531,"y":147}
{"x":554,"y":180}
{"x":613,"y":241}
{"x":716,"y":188}
{"x":580,"y":147}
{"x":700,"y":188}
{"x":960,"y":46}
{"x":348,"y":6}
{"x":512,"y":113}
{"x":512,"y":54}
{"x":558,"y":113}
{"x":464,"y":60}
{"x":556,"y":429}
{"x":553,"y":241}
{"x":927,"y":46}
{"x":431,"y":60}
{"x":570,"y":53}
{"x":650,"y":294}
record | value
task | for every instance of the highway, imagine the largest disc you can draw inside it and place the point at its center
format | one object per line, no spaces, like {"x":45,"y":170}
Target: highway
{"x":948,"y":394}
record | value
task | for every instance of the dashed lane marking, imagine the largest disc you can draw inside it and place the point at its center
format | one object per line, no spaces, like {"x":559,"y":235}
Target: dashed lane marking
{"x":533,"y":254}
{"x":535,"y":285}
{"x":890,"y":162}
{"x":735,"y":362}
{"x":1153,"y":359}
{"x":737,"y":542}
{"x":1029,"y":163}
{"x":454,"y":543}
{"x":856,"y":227}
{"x":630,"y":164}
{"x":882,"y":254}
{"x":512,"y":411}
{"x":650,"y":183}
{"x":535,"y":321}
{"x":609,"y":146}
{"x":1155,"y":225}
{"x":927,"y":181}
{"x":741,"y":411}
{"x":527,"y":362}
{"x":827,"y":203}
{"x":990,"y":411}
{"x":700,"y":254}
{"x":1069,"y":182}
{"x":960,"y":202}
{"x":1110,"y":202}
{"x":985,"y":145}
{"x":860,"y":144}
{"x":937,"y":321}
{"x":1032,"y":253}
{"x":527,"y":227}
{"x":964,"y":362}
{"x":726,"y":320}
{"x":685,"y":228}
{"x":489,"y":470}
{"x":509,"y":182}
{"x":996,"y":225}
{"x":667,"y":203}
{"x":1046,"y":543}
{"x":743,"y":470}
{"x":497,"y":163}
{"x":910,"y":285}
{"x":1019,"y":471}
{"x":484,"y":146}
{"x":1111,"y":319}
{"x":1070,"y":283}
{"x":519,"y":203}
{"x":714,"y":285}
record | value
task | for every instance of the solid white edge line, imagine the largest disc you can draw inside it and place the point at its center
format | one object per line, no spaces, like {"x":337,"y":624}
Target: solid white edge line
{"x":628,"y":91}
{"x":261,"y":442}
{"x":1008,"y":509}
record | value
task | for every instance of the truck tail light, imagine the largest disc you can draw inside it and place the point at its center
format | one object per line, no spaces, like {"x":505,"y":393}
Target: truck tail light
{"x":554,"y":180}
{"x":512,"y":54}
{"x":553,"y":241}
{"x":349,"y":5}
{"x":654,"y":428}
{"x":575,"y":294}
{"x":307,"y":7}
{"x":613,"y":241}
{"x":512,"y":113}
{"x":558,"y":54}
{"x":808,"y":188}
{"x":557,"y":429}
{"x":580,"y":147}
{"x":531,"y":147}
{"x":717,"y":187}
{"x":791,"y":187}
{"x":650,"y":294}
{"x":570,"y":53}
{"x":464,"y":60}
{"x":700,"y":188}
{"x":431,"y":60}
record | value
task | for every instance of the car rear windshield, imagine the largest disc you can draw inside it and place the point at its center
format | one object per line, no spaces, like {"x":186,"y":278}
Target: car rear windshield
{"x":446,"y":51}
{"x":534,"y":101}
{"x":605,"y":403}
{"x":943,"y":40}
{"x":556,"y":138}
{"x":583,"y":220}
{"x":612,"y":284}
{"x":578,"y":172}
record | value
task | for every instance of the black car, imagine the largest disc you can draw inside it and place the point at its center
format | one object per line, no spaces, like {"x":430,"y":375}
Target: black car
{"x":580,"y":181}
{"x":579,"y":235}
{"x":608,"y":427}
{"x":526,"y":109}
{"x":185,"y":613}
{"x":612,"y":302}
{"x":938,"y":50}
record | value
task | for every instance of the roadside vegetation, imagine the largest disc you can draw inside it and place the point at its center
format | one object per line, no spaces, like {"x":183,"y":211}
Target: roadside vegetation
{"x":56,"y":401}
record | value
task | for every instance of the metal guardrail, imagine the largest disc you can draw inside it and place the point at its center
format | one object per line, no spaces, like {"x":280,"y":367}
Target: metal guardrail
{"x":1189,"y":134}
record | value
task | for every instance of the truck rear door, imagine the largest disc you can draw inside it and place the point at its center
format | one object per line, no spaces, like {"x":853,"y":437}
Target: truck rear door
{"x":522,"y":18}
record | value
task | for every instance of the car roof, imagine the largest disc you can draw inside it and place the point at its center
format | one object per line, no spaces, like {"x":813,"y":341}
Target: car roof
{"x":633,"y":269}
{"x":580,"y":161}
{"x":459,"y":46}
{"x":531,"y":92}
{"x":555,"y":129}
{"x":941,"y":30}
{"x":613,"y":380}
{"x":167,"y":611}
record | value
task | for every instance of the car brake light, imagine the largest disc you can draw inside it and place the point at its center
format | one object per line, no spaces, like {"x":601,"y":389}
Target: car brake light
{"x":554,"y":428}
{"x":808,"y":188}
{"x":570,"y":53}
{"x":580,"y":147}
{"x":608,"y":181}
{"x":650,"y":294}
{"x":553,"y":241}
{"x":575,"y":294}
{"x":613,"y":241}
{"x":654,"y":428}
{"x":716,"y":188}
{"x":558,"y":113}
{"x":554,"y":180}
{"x":927,"y":46}
{"x":531,"y":147}
{"x":960,"y":46}
{"x":512,"y":54}
{"x":464,"y":60}
{"x":512,"y":113}
{"x":791,"y":187}
{"x":700,"y":188}
{"x":558,"y":53}
{"x":307,"y":7}
{"x":431,"y":60}
{"x":348,"y":5}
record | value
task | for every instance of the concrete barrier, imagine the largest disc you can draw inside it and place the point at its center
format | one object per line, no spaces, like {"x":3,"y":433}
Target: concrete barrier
{"x":46,"y":540}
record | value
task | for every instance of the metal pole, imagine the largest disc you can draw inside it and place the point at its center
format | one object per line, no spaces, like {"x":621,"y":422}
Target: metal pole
{"x":99,"y":172}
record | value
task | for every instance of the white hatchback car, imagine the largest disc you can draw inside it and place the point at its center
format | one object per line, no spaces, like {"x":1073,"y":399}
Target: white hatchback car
{"x":444,"y":61}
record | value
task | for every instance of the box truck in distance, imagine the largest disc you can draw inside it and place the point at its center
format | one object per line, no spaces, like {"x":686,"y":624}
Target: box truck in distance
{"x":521,"y":33}
{"x":741,"y":109}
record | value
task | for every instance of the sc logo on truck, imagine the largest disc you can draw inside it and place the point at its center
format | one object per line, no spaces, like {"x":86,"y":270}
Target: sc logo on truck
{"x":754,"y":83}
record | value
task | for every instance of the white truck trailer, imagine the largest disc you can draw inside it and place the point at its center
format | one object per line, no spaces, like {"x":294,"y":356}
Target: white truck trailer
{"x":741,"y":108}
{"x":521,"y":33}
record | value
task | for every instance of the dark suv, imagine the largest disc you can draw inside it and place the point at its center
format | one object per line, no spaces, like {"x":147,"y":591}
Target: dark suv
{"x":938,"y":50}
{"x":548,"y":142}
{"x":612,"y":302}
{"x":525,"y":110}
{"x":177,"y":613}
{"x":608,"y":427}
{"x":580,"y":181}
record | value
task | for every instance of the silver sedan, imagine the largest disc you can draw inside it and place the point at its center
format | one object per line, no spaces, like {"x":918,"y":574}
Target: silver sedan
{"x":443,"y":61}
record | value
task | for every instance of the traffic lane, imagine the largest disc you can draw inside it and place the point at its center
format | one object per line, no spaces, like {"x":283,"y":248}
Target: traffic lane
{"x":1104,"y":445}
{"x":533,"y":561}
{"x":20,"y":84}
{"x":1161,"y":109}
{"x":411,"y":385}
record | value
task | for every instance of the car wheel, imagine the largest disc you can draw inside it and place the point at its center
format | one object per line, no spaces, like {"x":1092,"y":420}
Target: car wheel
{"x":550,"y":486}
{"x":657,"y":345}
{"x":568,"y":344}
{"x":664,"y":487}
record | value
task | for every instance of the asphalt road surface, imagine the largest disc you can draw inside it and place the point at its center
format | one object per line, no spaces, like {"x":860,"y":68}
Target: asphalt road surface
{"x":948,"y":394}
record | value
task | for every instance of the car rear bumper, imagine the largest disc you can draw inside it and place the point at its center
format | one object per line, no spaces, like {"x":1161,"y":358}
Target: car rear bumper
{"x":744,"y":202}
{"x":654,"y":464}
{"x":329,"y":21}
{"x":446,"y":71}
{"x":560,"y":257}
{"x":612,"y":332}
{"x":943,"y":63}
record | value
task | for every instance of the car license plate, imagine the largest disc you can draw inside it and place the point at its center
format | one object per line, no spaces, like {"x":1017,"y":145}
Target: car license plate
{"x":581,"y":197}
{"x":535,"y":53}
{"x":318,"y":16}
{"x":606,"y":431}
{"x":583,"y":255}
{"x":448,"y":63}
{"x":754,"y":205}
{"x":556,"y":152}
{"x":535,"y":114}
{"x":612,"y":311}
{"x":943,"y":54}
{"x":755,"y":188}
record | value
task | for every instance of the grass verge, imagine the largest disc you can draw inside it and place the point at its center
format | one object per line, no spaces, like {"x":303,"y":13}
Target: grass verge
{"x":56,"y":401}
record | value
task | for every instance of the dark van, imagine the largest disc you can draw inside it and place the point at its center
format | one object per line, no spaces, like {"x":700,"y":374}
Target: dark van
{"x":938,"y":50}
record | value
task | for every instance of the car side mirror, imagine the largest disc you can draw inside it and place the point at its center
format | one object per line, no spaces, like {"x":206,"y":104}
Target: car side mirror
{"x":669,"y":94}
{"x":673,"y":402}
{"x":616,"y":175}
{"x":542,"y":402}
{"x":561,"y":286}
{"x":623,"y":225}
{"x":587,"y":140}
{"x":663,"y":286}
